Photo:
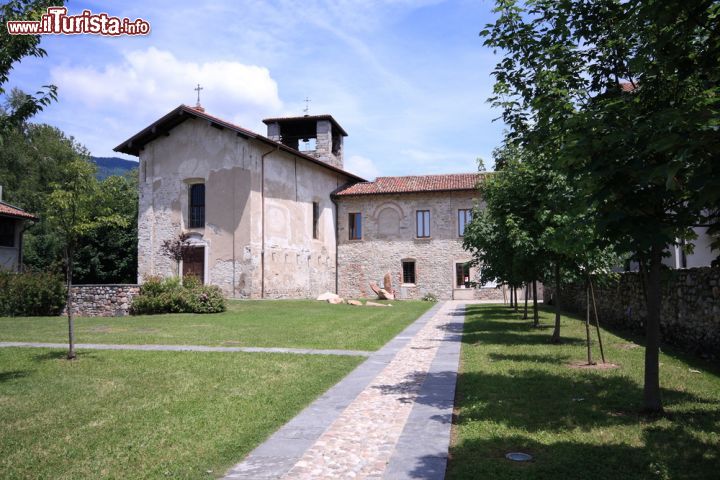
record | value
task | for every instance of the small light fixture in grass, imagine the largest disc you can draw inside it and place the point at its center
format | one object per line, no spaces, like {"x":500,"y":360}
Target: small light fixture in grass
{"x":518,"y":457}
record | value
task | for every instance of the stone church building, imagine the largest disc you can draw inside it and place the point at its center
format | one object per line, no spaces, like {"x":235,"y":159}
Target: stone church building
{"x":278,"y":216}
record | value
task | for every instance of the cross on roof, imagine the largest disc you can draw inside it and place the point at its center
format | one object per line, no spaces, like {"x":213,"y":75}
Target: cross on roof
{"x":307,"y":106}
{"x":197,"y":89}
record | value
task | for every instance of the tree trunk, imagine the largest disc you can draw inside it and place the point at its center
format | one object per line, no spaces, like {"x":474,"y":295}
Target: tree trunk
{"x":652,"y":402}
{"x":536,"y":315}
{"x":525,"y":316}
{"x":556,"y":332}
{"x":516,"y":301}
{"x":510,"y":295}
{"x":71,"y":327}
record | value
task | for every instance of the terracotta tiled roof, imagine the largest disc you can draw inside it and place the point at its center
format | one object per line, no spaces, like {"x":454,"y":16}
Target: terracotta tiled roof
{"x":10,"y":211}
{"x":418,"y":183}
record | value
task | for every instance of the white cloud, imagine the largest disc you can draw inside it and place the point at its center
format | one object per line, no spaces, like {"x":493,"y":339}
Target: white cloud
{"x":362,"y":166}
{"x":153,"y":81}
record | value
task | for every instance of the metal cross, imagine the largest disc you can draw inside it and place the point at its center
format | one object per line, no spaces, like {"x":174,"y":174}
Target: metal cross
{"x":197,"y":89}
{"x":307,"y":105}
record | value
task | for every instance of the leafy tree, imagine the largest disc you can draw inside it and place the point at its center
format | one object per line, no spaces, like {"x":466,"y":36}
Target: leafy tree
{"x":14,"y":49}
{"x":623,"y":98}
{"x":73,"y":213}
{"x":108,"y":253}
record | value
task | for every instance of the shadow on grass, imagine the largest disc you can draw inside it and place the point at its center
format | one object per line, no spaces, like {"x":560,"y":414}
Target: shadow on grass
{"x":553,"y":359}
{"x":631,"y":336}
{"x":61,"y":355}
{"x":538,"y":401}
{"x":13,"y":375}
{"x":583,"y":425}
{"x":666,"y":453}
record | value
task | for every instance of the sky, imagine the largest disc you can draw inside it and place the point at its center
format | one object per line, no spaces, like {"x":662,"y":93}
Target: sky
{"x":408,"y":80}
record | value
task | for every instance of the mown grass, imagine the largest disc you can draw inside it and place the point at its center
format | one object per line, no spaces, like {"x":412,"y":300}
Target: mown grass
{"x":516,"y":393}
{"x":284,"y":323}
{"x":179,"y":415}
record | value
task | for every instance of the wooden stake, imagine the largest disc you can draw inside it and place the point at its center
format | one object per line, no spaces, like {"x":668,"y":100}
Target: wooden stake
{"x":587,"y":326}
{"x":597,"y":321}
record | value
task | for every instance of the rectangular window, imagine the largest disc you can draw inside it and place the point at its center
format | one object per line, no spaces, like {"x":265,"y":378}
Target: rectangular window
{"x":462,"y":275}
{"x":408,"y":272}
{"x":316,"y":219}
{"x":464,"y":217}
{"x":197,"y":205}
{"x":355,"y":224}
{"x":7,"y":232}
{"x":422,"y":223}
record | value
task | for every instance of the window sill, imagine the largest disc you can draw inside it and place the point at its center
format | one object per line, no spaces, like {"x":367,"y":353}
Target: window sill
{"x":408,"y":284}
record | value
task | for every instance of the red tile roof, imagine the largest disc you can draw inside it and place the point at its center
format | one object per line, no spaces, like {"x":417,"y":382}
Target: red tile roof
{"x":8,"y":210}
{"x":418,"y":183}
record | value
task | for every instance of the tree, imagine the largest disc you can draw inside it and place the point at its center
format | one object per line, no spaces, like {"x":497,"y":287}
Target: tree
{"x":15,"y":48}
{"x":622,"y":97}
{"x":72,"y":214}
{"x":108,"y":253}
{"x":176,"y":249}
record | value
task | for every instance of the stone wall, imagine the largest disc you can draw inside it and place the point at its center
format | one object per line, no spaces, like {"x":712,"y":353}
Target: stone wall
{"x":103,"y":300}
{"x":690,"y":313}
{"x":389,"y":238}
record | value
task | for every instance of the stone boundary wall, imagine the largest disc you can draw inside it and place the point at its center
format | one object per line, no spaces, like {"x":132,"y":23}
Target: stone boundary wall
{"x":103,"y":300}
{"x":689,"y":316}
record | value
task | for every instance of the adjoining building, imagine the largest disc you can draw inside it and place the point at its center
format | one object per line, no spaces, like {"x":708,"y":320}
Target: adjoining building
{"x":13,"y":222}
{"x":411,"y":227}
{"x":277,"y":216}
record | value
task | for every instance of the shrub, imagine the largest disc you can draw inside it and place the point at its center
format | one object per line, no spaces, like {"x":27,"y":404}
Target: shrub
{"x":169,"y":296}
{"x":31,"y":294}
{"x":429,"y":297}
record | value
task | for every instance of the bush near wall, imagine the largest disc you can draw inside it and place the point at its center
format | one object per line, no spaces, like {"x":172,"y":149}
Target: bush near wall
{"x":689,"y":315}
{"x":31,"y":294}
{"x":170,"y":296}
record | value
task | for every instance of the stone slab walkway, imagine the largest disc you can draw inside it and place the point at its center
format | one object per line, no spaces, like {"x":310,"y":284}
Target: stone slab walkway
{"x":189,"y":348}
{"x":389,"y":418}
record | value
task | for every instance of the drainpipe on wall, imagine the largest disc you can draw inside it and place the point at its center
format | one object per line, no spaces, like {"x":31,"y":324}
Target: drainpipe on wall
{"x":262,"y":220}
{"x":337,"y":265}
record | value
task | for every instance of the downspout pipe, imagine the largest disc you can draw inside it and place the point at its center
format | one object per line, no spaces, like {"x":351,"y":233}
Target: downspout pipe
{"x":262,"y":219}
{"x":337,"y":231}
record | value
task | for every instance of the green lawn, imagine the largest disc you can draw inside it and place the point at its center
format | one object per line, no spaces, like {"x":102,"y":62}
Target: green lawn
{"x":516,"y":393}
{"x":287,"y":323}
{"x":148,"y":414}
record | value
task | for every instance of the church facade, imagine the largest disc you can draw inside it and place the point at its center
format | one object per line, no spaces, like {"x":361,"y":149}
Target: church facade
{"x":277,"y":216}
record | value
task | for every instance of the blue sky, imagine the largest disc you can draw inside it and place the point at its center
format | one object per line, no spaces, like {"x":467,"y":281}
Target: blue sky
{"x":408,"y":80}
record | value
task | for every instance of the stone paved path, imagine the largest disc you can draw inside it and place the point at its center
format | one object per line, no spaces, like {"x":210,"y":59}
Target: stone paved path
{"x":390,"y":418}
{"x":189,"y":348}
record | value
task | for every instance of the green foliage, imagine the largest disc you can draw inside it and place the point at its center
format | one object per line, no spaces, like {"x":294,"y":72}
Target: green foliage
{"x":107,"y":253}
{"x":623,"y":99}
{"x":168,"y":295}
{"x":429,"y":297}
{"x":31,"y":294}
{"x":14,"y":49}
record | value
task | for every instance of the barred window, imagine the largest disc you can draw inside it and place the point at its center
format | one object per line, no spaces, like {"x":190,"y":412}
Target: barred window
{"x":197,"y":205}
{"x":408,"y":268}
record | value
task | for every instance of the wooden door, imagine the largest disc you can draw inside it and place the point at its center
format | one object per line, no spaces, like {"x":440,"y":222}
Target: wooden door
{"x":194,"y":263}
